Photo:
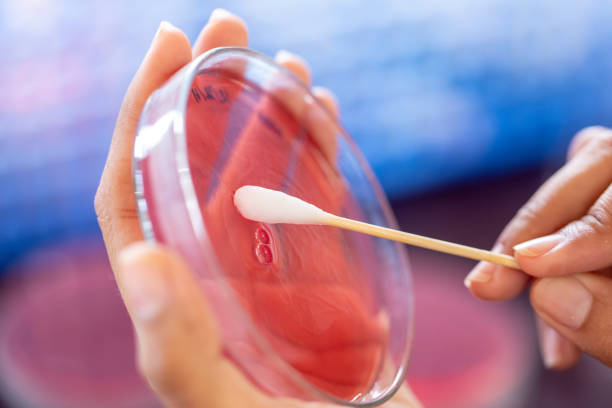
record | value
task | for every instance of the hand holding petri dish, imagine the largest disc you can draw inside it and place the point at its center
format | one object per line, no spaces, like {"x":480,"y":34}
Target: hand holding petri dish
{"x":306,"y":311}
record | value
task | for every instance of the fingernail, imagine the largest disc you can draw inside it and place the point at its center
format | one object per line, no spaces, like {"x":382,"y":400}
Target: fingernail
{"x":482,"y":273}
{"x":282,"y":55}
{"x":320,"y":90}
{"x":539,"y":246}
{"x":165,"y":25}
{"x":552,"y":346}
{"x":563,"y":299}
{"x":144,"y":288}
{"x":219,"y":14}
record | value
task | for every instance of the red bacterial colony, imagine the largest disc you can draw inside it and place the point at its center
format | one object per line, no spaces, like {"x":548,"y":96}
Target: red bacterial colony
{"x":263,"y":253}
{"x":301,"y":285}
{"x":262,"y":237}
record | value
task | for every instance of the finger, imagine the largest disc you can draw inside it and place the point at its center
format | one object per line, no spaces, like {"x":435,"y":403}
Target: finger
{"x":322,"y":127}
{"x":295,"y":64}
{"x":223,"y":29}
{"x":178,"y":341}
{"x":495,"y":282}
{"x":566,"y":196}
{"x":557,"y":352}
{"x":115,"y":203}
{"x":592,"y":134}
{"x":328,"y":99}
{"x":579,"y":307}
{"x":581,"y":246}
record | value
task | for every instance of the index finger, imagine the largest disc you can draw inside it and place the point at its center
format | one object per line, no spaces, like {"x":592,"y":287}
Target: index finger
{"x":115,"y":202}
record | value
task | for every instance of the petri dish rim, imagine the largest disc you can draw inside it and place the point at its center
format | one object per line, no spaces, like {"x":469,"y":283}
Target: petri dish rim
{"x":187,"y":76}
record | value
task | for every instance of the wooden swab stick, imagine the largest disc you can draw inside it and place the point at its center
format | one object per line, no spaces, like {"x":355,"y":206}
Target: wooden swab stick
{"x":274,"y":207}
{"x":423,"y":242}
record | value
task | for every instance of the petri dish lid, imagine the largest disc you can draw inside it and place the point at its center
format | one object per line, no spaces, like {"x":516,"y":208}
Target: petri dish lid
{"x":307,"y":311}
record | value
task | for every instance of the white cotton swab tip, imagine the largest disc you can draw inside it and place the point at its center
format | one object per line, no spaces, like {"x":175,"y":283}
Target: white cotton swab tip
{"x":275,"y":207}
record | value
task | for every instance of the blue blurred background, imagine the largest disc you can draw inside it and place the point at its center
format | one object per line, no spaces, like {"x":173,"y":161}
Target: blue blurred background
{"x":462,"y":108}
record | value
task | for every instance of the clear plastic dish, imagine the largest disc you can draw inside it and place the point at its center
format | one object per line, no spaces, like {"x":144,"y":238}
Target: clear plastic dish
{"x":310,"y":312}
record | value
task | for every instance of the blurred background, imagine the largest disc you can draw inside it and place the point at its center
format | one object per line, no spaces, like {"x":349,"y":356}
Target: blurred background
{"x":462,"y":108}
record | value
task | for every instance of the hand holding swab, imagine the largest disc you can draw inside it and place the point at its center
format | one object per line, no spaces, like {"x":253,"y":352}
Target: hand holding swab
{"x":275,"y":207}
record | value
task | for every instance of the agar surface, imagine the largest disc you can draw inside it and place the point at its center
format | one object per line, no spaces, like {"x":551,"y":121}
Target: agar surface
{"x":304,"y":287}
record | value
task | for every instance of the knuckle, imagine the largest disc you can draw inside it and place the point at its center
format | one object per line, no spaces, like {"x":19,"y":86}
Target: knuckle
{"x":100,"y":201}
{"x":103,"y":206}
{"x":108,"y":210}
{"x":600,"y":217}
{"x":596,"y":222}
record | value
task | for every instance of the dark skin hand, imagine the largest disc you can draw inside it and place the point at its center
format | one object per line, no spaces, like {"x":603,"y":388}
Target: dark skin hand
{"x":562,"y":239}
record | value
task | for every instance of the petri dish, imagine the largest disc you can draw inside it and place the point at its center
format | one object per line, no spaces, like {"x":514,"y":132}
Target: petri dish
{"x":309,"y":312}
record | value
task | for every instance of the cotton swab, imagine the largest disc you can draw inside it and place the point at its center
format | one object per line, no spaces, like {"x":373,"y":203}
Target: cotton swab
{"x":275,"y":207}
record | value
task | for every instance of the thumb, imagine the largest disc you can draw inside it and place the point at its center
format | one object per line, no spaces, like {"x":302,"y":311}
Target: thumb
{"x":579,"y":308}
{"x":583,"y":245}
{"x":178,"y":339}
{"x":167,"y":313}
